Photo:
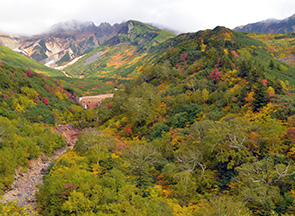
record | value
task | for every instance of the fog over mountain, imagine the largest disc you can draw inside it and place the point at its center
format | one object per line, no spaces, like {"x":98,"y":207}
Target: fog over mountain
{"x":270,"y":26}
{"x":35,"y":17}
{"x":62,"y":42}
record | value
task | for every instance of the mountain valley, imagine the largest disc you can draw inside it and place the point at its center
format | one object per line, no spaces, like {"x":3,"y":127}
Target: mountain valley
{"x":193,"y":124}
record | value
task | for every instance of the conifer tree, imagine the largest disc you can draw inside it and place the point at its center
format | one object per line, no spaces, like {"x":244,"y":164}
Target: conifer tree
{"x":261,"y":96}
{"x":271,"y":64}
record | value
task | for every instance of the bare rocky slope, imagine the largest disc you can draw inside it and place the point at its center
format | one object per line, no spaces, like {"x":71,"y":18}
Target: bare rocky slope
{"x":62,"y":43}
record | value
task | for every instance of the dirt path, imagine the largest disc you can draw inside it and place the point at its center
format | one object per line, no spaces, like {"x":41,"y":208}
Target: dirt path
{"x":25,"y":185}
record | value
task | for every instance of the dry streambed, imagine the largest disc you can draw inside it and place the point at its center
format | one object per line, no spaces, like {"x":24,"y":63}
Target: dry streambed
{"x":25,"y":185}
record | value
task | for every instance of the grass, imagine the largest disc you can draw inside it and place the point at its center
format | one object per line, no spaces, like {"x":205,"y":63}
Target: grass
{"x":17,"y":60}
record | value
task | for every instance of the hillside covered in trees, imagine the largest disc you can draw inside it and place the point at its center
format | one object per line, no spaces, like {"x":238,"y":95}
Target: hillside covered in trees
{"x":205,"y":126}
{"x":208,"y":129}
{"x":30,"y":105}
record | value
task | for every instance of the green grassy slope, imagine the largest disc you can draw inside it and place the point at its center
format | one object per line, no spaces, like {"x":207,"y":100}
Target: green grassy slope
{"x":17,"y":60}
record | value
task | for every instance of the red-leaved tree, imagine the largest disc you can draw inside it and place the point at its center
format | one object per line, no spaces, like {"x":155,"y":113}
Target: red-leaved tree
{"x":109,"y":105}
{"x":29,"y":73}
{"x":215,"y":74}
{"x":45,"y":100}
{"x":184,"y":57}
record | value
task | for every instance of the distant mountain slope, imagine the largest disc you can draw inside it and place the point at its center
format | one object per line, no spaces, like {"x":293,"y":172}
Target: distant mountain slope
{"x":121,"y":57}
{"x":270,"y":26}
{"x":66,"y":41}
{"x":17,"y":60}
{"x":62,"y":43}
{"x":281,"y":46}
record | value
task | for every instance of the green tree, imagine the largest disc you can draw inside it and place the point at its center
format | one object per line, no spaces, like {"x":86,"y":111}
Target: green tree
{"x":227,"y":140}
{"x":261,"y":181}
{"x":271,"y":65}
{"x":223,"y":205}
{"x":261,"y":96}
{"x":140,"y":159}
{"x":77,"y":203}
{"x":205,"y":95}
{"x":244,"y":54}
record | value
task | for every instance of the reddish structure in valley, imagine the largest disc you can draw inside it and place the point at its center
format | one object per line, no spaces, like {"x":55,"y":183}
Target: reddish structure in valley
{"x":91,"y":102}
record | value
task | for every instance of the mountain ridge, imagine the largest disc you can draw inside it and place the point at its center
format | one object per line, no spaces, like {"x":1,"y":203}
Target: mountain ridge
{"x":65,"y":41}
{"x":270,"y":26}
{"x":72,"y":25}
{"x":133,"y":41}
{"x":62,"y":42}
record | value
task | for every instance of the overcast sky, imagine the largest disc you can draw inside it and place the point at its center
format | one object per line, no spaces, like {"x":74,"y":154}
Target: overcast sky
{"x":36,"y":16}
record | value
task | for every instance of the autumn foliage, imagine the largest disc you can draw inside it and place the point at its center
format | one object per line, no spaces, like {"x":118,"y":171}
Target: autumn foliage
{"x":207,"y":128}
{"x":29,"y":73}
{"x":45,"y":100}
{"x":215,"y":74}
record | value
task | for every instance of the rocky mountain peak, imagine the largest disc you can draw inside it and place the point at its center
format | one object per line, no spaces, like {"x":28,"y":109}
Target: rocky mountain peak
{"x":63,"y":42}
{"x":104,"y":25}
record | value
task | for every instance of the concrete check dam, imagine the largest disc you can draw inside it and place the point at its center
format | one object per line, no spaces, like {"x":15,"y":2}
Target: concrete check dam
{"x":91,"y":102}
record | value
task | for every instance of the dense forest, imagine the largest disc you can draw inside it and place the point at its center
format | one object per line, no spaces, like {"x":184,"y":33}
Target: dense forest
{"x":206,"y":128}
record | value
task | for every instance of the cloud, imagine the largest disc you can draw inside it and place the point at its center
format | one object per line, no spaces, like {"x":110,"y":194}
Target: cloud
{"x":35,"y":16}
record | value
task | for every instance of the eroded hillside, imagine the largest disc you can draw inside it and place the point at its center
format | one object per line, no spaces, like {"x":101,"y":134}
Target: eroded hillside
{"x":62,"y":43}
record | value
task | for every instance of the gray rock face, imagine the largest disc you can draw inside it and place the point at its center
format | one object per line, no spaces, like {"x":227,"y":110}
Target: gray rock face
{"x":63,"y":42}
